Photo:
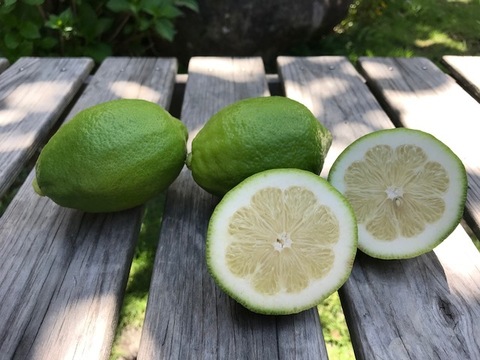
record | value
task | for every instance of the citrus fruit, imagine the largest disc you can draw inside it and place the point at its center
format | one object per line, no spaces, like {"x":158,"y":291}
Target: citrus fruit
{"x":253,"y":135}
{"x":407,"y":189}
{"x":112,"y":156}
{"x":281,"y":241}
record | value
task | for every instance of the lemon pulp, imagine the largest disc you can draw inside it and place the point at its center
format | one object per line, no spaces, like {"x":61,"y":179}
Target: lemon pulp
{"x":275,"y":240}
{"x":396,"y":191}
{"x":407,"y":189}
{"x":281,"y":241}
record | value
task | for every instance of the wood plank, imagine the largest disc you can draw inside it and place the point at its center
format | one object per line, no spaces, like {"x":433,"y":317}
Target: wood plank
{"x":423,"y":308}
{"x":63,"y":271}
{"x":336,"y":94}
{"x":466,"y":69}
{"x":33,"y":94}
{"x":188,"y":316}
{"x":419,"y":95}
{"x":3,"y":64}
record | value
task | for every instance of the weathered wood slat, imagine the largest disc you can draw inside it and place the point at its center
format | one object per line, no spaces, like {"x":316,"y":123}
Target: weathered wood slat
{"x":336,"y":94}
{"x":466,"y":69}
{"x":422,"y":308}
{"x":33,"y":94}
{"x":187,"y":316}
{"x":419,"y":95}
{"x":63,"y":271}
{"x":3,"y":64}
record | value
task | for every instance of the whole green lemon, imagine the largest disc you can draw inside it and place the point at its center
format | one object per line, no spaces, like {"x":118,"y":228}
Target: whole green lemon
{"x":253,"y":135}
{"x":112,"y":156}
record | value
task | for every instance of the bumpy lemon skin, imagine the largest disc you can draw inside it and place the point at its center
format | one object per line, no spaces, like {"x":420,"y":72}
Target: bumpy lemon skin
{"x":253,"y":135}
{"x":112,"y":156}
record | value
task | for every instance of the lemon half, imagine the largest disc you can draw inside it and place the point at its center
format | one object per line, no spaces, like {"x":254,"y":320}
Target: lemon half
{"x":407,"y":188}
{"x":281,"y":241}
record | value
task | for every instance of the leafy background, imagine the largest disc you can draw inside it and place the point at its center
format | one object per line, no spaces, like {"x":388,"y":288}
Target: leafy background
{"x":87,"y":27}
{"x":407,"y":28}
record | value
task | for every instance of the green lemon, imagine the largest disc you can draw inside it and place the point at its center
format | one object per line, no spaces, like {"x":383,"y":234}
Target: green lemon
{"x":407,"y":188}
{"x":253,"y":135}
{"x":281,"y":241}
{"x":112,"y":156}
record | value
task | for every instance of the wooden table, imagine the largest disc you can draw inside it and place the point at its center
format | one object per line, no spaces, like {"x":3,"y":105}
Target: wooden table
{"x":63,"y":272}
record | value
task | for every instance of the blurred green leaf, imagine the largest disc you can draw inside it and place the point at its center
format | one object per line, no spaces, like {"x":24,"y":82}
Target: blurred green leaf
{"x":119,"y":5}
{"x":11,"y":40}
{"x":98,"y":51}
{"x":144,"y":24}
{"x":29,"y":30}
{"x":33,"y":2}
{"x":102,"y":25}
{"x":7,"y":8}
{"x":169,"y":12}
{"x":190,"y":4}
{"x":53,"y":22}
{"x":48,"y":42}
{"x":165,"y":29}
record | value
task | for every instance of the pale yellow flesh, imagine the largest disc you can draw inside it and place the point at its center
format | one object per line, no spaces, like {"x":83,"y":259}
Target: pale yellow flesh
{"x":396,"y":192}
{"x":282,"y":240}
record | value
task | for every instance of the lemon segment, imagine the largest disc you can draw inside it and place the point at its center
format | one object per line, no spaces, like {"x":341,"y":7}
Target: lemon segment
{"x":407,"y":189}
{"x":281,"y":241}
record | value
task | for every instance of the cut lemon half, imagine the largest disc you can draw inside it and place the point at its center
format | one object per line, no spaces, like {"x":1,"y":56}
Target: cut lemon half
{"x":407,"y":189}
{"x":281,"y":241}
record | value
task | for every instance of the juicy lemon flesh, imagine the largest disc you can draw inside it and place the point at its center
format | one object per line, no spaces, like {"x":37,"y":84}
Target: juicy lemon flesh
{"x":282,"y":240}
{"x":396,"y":191}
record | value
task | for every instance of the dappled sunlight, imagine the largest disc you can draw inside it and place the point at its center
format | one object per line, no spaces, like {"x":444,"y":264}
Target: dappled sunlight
{"x":296,"y":92}
{"x":17,"y":142}
{"x":238,"y":70}
{"x":11,"y":116}
{"x":428,"y":112}
{"x":134,"y":90}
{"x":443,"y":39}
{"x":454,"y":249}
{"x":460,"y":257}
{"x":88,"y":332}
{"x":460,"y":1}
{"x":25,"y":96}
{"x":20,"y":110}
{"x":218,"y":66}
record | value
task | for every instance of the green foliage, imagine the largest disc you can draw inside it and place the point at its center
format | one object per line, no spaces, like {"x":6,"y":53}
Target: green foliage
{"x":335,"y":331}
{"x":407,"y":28}
{"x":87,"y":27}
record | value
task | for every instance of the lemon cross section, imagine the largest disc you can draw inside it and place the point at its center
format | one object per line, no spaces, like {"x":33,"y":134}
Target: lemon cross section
{"x":281,"y":241}
{"x":407,"y":189}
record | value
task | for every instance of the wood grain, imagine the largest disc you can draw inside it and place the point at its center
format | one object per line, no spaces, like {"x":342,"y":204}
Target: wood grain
{"x":3,"y":64}
{"x":336,"y":94}
{"x":33,"y":94}
{"x":466,"y":69}
{"x":188,"y":316}
{"x":63,"y":271}
{"x":423,"y":308}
